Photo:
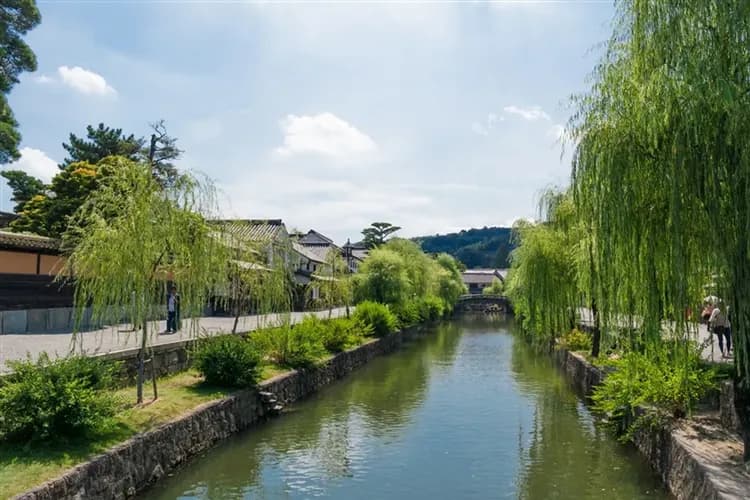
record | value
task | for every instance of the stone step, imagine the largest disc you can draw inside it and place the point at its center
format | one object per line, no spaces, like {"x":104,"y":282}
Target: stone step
{"x":277,"y":408}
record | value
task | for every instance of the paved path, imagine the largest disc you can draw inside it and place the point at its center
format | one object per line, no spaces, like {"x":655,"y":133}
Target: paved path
{"x":112,"y":339}
{"x":703,"y":336}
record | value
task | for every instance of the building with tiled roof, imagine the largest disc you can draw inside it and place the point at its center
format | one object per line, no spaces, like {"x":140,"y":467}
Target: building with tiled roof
{"x":28,"y":266}
{"x":477,"y":279}
{"x":32,"y":242}
{"x":255,"y":229}
{"x":314,"y":238}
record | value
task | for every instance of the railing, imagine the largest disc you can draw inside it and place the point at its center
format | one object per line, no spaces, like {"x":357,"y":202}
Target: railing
{"x":481,"y":297}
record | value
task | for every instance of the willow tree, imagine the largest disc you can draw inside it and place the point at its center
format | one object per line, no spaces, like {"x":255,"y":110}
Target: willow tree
{"x":130,"y":238}
{"x":543,"y":283}
{"x":333,"y":283}
{"x":257,"y":282}
{"x":662,"y":168}
{"x":449,"y":281}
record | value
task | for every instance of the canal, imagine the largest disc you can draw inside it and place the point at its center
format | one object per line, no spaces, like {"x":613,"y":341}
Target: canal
{"x":465,"y":411}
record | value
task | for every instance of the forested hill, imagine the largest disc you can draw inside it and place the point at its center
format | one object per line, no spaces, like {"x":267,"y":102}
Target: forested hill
{"x":486,"y":247}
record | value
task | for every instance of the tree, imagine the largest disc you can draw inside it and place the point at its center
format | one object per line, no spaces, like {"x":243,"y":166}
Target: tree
{"x":450,"y":283}
{"x":48,"y":214}
{"x":661,"y":167}
{"x":17,"y":17}
{"x":161,"y":152}
{"x":23,"y":186}
{"x":130,"y":237}
{"x":376,"y":234}
{"x":255,"y":284}
{"x":100,"y":143}
{"x":333,"y":283}
{"x":494,"y":288}
{"x":383,"y":278}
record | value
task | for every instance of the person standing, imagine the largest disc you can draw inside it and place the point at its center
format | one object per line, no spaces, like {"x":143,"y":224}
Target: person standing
{"x":173,"y":307}
{"x":719,"y":325}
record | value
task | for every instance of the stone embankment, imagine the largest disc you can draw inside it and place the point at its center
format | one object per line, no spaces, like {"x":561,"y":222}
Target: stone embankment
{"x":133,"y":466}
{"x":697,"y":458}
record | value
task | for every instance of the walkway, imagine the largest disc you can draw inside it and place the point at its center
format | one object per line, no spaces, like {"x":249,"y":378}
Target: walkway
{"x":704,"y":337}
{"x":111,"y":339}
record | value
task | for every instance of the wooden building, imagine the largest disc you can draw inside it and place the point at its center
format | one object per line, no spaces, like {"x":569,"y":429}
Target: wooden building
{"x":28,"y":266}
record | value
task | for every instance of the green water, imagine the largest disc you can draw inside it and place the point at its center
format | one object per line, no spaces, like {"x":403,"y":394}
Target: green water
{"x":466,"y":411}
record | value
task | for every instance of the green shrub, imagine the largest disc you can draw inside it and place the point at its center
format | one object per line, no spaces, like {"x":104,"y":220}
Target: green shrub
{"x":342,"y":333}
{"x":576,"y":340}
{"x":56,"y":400}
{"x":407,"y":313}
{"x":669,"y":379}
{"x":228,"y":361}
{"x":431,"y":308}
{"x":298,"y":346}
{"x":377,"y":316}
{"x":495,"y":288}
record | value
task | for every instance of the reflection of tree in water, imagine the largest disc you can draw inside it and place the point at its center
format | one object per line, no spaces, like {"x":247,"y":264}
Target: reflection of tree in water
{"x":325,"y":437}
{"x":566,"y":456}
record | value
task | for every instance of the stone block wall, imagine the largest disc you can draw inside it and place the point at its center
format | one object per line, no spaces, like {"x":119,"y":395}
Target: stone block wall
{"x":132,"y":466}
{"x":689,"y":469}
{"x":727,"y":412}
{"x":168,"y":358}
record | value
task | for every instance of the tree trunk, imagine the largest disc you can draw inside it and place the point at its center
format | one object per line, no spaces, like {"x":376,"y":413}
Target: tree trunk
{"x":596,"y":339}
{"x":153,"y":375}
{"x":141,"y":364}
{"x":742,"y":407}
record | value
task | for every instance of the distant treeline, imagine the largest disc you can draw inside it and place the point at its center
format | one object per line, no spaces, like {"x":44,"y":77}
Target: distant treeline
{"x":486,"y":247}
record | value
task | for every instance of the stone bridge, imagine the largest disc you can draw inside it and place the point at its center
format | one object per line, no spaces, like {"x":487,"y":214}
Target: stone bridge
{"x":483,"y":303}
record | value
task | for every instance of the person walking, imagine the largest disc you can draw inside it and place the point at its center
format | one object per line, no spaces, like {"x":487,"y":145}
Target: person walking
{"x":173,"y":308}
{"x":719,"y":325}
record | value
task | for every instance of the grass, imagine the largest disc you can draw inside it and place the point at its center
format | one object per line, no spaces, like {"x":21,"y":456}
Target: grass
{"x":24,"y":466}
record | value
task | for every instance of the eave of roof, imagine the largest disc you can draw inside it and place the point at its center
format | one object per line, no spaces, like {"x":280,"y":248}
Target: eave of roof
{"x":307,"y":253}
{"x":22,"y":241}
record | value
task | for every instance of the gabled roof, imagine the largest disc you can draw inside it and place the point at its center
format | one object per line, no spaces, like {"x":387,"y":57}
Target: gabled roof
{"x":483,"y":275}
{"x":315,"y":238}
{"x":308,"y":253}
{"x":255,"y":229}
{"x":22,"y":241}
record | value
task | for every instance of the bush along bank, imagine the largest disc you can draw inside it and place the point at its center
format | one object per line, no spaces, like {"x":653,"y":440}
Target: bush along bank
{"x":318,"y":352}
{"x":686,"y":445}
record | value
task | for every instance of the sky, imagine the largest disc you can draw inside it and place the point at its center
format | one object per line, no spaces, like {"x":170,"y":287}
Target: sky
{"x":434,"y":116}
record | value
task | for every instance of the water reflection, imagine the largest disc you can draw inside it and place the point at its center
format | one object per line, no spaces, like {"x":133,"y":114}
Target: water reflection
{"x":565,"y":454}
{"x":464,"y":412}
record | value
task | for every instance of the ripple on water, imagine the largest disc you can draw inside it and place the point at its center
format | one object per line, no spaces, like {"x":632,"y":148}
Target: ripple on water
{"x":466,"y":412}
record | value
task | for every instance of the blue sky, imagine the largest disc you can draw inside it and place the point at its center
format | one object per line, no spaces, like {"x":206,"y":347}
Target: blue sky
{"x":433,"y":116}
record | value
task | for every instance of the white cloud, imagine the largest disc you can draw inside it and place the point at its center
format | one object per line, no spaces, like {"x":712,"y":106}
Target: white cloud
{"x":484,"y":128}
{"x":531,"y":114}
{"x":324,"y":134}
{"x":85,"y":81}
{"x":43,"y":79}
{"x":37,"y":163}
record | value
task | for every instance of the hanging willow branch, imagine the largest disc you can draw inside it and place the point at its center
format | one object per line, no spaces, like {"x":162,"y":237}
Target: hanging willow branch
{"x":662,"y":168}
{"x":130,"y":238}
